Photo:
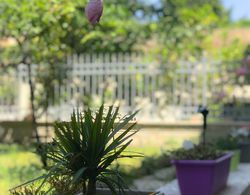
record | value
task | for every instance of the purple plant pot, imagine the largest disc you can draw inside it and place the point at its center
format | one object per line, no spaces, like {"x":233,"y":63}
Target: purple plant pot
{"x":202,"y":177}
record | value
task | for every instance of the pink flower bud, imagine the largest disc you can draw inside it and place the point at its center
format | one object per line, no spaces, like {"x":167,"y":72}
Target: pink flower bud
{"x":94,"y":11}
{"x":242,"y":71}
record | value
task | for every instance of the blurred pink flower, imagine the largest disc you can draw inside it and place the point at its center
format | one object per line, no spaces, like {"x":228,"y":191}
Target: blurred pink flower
{"x":242,"y":71}
{"x":94,"y":11}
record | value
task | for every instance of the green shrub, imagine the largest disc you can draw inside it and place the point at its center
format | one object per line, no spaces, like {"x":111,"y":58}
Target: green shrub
{"x":198,"y":152}
{"x":227,"y":143}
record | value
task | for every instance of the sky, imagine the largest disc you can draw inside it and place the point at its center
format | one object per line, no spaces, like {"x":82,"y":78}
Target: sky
{"x":240,"y":8}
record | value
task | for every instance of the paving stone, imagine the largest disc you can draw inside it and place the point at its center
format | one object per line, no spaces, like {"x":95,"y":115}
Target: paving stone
{"x":156,"y":180}
{"x":165,"y":174}
{"x":148,"y":183}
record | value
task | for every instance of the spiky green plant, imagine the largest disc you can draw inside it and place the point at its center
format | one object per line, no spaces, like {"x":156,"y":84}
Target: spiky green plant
{"x":85,"y":148}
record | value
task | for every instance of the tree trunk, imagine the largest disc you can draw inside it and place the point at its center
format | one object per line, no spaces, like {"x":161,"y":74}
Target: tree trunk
{"x":32,"y":99}
{"x":91,"y":187}
{"x":40,"y":148}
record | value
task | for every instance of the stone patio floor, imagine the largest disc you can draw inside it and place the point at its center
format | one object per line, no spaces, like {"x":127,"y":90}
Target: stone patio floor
{"x":238,"y":182}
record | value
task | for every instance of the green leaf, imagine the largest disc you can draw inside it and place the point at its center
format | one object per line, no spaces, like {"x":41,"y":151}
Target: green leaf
{"x":84,"y":148}
{"x":78,"y":174}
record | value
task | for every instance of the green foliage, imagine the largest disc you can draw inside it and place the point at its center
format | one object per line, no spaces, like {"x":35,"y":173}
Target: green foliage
{"x":244,"y":22}
{"x":17,"y":165}
{"x":85,"y":148}
{"x":6,"y":84}
{"x":183,"y":25}
{"x":43,"y":32}
{"x":150,"y":164}
{"x":36,"y":30}
{"x":55,"y":185}
{"x":227,"y":143}
{"x":199,"y":152}
{"x":64,"y":185}
{"x":229,"y":50}
{"x":35,"y":27}
{"x":27,"y":190}
{"x":49,"y":28}
{"x":119,"y":29}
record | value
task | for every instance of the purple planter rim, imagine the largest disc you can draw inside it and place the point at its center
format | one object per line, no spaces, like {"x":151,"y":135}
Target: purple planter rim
{"x":204,"y":162}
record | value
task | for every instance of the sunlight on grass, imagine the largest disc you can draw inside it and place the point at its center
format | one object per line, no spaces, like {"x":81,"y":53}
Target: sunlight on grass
{"x":17,"y":165}
{"x":154,"y":150}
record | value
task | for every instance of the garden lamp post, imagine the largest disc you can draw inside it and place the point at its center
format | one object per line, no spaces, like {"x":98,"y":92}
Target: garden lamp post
{"x":204,"y":111}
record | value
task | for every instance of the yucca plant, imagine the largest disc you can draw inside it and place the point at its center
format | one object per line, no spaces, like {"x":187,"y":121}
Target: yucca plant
{"x":85,"y":148}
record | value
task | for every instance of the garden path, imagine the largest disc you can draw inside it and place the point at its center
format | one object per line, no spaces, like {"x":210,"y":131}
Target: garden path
{"x":158,"y":179}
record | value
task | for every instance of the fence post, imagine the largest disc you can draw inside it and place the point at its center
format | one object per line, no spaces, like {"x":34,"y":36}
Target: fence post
{"x":23,"y":93}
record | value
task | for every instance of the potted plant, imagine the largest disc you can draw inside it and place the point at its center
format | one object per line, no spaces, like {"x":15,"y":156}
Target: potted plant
{"x":85,"y":148}
{"x":203,"y":169}
{"x":230,"y":143}
{"x":243,"y":135}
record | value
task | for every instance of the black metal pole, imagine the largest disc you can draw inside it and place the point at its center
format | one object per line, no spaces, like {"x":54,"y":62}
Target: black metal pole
{"x":204,"y":129}
{"x":204,"y":111}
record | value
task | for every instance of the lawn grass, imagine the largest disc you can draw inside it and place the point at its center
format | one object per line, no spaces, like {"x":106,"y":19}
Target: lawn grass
{"x":19,"y":164}
{"x":155,"y":148}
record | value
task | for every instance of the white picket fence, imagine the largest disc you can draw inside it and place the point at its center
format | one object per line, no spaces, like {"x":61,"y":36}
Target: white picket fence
{"x":121,"y":79}
{"x":8,"y":103}
{"x":193,"y":84}
{"x":130,"y":81}
{"x":214,"y":84}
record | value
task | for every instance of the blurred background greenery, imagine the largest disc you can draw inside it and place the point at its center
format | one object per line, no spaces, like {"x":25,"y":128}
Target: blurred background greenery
{"x":42,"y":32}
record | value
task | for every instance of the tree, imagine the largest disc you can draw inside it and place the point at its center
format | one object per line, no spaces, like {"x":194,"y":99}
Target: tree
{"x":44,"y":31}
{"x":182,"y":25}
{"x":34,"y":27}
